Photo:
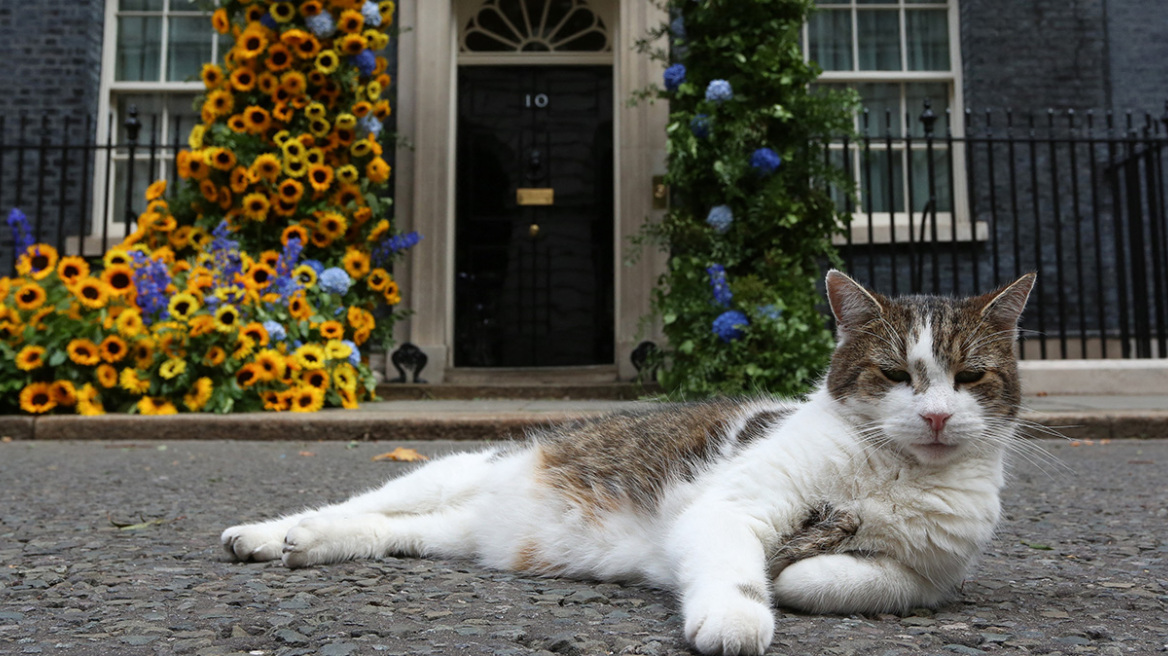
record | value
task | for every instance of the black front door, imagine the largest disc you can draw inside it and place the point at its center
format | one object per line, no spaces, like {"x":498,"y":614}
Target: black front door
{"x":534,"y":217}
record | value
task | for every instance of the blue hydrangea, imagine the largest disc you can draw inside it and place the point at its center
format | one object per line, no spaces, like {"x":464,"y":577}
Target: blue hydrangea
{"x":729,"y":325}
{"x":22,"y":236}
{"x":315,"y":265}
{"x":765,"y":161}
{"x":719,"y":90}
{"x":700,"y":126}
{"x":677,"y":27}
{"x":722,"y":293}
{"x":366,"y":62}
{"x":335,"y":281}
{"x":275,"y":331}
{"x":770,"y":311}
{"x":354,"y":354}
{"x":322,"y":24}
{"x":674,"y":77}
{"x":720,"y":218}
{"x":371,"y":13}
{"x":267,"y":21}
{"x":369,"y":125}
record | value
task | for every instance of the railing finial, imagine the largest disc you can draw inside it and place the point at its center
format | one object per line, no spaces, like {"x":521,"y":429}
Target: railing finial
{"x":133,"y":125}
{"x":928,"y":117}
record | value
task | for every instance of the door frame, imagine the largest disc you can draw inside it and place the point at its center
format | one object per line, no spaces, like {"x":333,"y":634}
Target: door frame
{"x":428,"y":60}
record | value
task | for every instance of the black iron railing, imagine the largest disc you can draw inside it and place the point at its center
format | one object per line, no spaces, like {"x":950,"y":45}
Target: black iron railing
{"x":1080,"y":199}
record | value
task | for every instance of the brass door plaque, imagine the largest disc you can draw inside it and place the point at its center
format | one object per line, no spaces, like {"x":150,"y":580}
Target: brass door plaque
{"x":533,"y":196}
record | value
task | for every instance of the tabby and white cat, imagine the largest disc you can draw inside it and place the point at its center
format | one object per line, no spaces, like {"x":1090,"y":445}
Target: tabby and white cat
{"x":875,"y":494}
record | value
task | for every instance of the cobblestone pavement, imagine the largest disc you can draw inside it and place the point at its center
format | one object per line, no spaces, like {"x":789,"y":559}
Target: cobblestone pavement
{"x":112,"y":548}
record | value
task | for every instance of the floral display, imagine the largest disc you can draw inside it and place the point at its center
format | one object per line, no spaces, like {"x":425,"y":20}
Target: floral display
{"x":262,"y":281}
{"x":750,"y":220}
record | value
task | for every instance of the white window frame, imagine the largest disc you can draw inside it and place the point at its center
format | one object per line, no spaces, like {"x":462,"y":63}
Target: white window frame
{"x":104,"y":195}
{"x":885,"y":223}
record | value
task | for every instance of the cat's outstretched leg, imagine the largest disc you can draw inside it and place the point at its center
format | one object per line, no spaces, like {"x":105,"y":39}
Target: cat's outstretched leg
{"x":327,"y":538}
{"x":434,"y":486}
{"x":850,"y":583}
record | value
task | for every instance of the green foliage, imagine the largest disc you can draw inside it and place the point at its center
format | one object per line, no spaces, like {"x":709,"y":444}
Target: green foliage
{"x":774,"y":249}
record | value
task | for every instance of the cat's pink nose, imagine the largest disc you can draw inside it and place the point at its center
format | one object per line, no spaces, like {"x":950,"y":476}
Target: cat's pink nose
{"x":936,"y":420}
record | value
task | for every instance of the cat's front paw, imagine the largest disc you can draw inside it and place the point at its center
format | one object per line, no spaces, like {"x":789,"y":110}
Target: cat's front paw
{"x":323,"y":539}
{"x":253,"y":542}
{"x":732,"y":625}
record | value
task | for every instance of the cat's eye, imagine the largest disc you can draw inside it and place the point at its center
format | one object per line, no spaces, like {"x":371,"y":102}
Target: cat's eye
{"x":968,"y":376}
{"x":897,"y":375}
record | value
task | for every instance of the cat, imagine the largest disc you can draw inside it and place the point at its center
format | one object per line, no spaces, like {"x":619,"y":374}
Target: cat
{"x":875,"y":494}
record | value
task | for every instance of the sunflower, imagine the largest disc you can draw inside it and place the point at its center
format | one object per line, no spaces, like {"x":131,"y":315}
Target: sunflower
{"x":37,"y":262}
{"x":172,"y":368}
{"x":155,"y":405}
{"x":310,"y":8}
{"x":361,"y":148}
{"x":226,"y":318}
{"x":377,"y":170}
{"x":298,"y":306}
{"x":332,"y":225}
{"x":293,"y":82}
{"x":320,"y":177}
{"x":183,"y":305}
{"x":196,"y":165}
{"x":172,"y":344}
{"x":118,"y":279}
{"x":335,"y":349}
{"x":248,"y":375}
{"x":359,"y":318}
{"x":256,"y":332}
{"x":255,"y":13}
{"x":212,"y":75}
{"x":143,"y":352}
{"x":327,"y":61}
{"x":37,"y":398}
{"x":221,"y":158}
{"x":274,"y":401}
{"x":319,"y":127}
{"x":265,"y":167}
{"x":350,"y":21}
{"x":257,"y":119}
{"x":392,"y":297}
{"x":220,"y":21}
{"x":200,"y":394}
{"x":133,"y":382}
{"x":310,"y":356}
{"x":295,"y":168}
{"x":219,"y":102}
{"x":88,"y":402}
{"x":92,"y":293}
{"x":214,"y":356}
{"x":282,"y":12}
{"x":345,"y":377}
{"x":290,"y":190}
{"x":112,"y":349}
{"x":356,"y":263}
{"x":318,"y":378}
{"x":30,"y":357}
{"x":201,"y":325}
{"x":294,"y":232}
{"x":308,"y":48}
{"x":256,"y":206}
{"x":362,"y":108}
{"x":382,"y":110}
{"x":305,"y":276}
{"x":63,"y":392}
{"x":209,"y":190}
{"x":30,"y":296}
{"x":307,"y":399}
{"x":279,"y":58}
{"x":271,"y":364}
{"x":251,"y":42}
{"x":378,"y":279}
{"x":83,"y":352}
{"x":348,"y":399}
{"x":244,"y":347}
{"x":352,"y":44}
{"x":107,"y":376}
{"x":129,"y":323}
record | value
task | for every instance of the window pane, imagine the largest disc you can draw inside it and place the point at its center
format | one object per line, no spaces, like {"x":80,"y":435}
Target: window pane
{"x":927,"y":37}
{"x":139,"y":54}
{"x":883,"y":104}
{"x":915,"y":95}
{"x":879,"y":40}
{"x":830,"y":36}
{"x":189,"y":48}
{"x":880,"y":164}
{"x":920,"y":173}
{"x":149,"y":106}
{"x":140,"y":5}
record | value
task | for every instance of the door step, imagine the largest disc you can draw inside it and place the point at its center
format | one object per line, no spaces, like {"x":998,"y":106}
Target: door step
{"x":596,"y":382}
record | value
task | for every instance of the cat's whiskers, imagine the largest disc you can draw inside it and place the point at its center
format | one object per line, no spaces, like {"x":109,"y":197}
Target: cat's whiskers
{"x":1003,"y":432}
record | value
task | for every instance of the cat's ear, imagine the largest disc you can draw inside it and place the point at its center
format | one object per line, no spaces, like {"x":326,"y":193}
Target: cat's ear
{"x":1004,"y":306}
{"x":852,"y":305}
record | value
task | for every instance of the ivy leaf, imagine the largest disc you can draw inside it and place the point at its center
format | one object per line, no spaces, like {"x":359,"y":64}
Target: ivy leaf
{"x":57,"y":358}
{"x":669,"y":318}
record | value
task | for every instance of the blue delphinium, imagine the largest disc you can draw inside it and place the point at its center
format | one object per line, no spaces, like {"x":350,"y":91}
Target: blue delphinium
{"x":765,"y":161}
{"x":151,"y":278}
{"x":371,"y":13}
{"x":722,"y":293}
{"x":674,"y":77}
{"x":365,"y":61}
{"x":700,"y":126}
{"x":225,"y":252}
{"x":285,"y":285}
{"x":354,"y":353}
{"x":728,"y":326}
{"x":393,"y":244}
{"x":275,"y":330}
{"x":369,"y":124}
{"x":315,"y":265}
{"x":267,"y":21}
{"x":770,"y":311}
{"x":21,"y":232}
{"x":335,"y":281}
{"x":719,"y":90}
{"x":720,"y":218}
{"x":322,"y":24}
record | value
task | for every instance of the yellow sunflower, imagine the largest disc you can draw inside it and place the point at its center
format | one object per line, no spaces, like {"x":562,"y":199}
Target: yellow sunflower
{"x":144,"y":353}
{"x":155,"y":405}
{"x":310,"y":356}
{"x":378,"y":279}
{"x":83,"y":352}
{"x":64,"y":393}
{"x":251,"y":42}
{"x":318,"y":378}
{"x":345,"y":377}
{"x":257,"y":119}
{"x":91,"y":292}
{"x":112,"y":349}
{"x":214,"y":356}
{"x":37,"y":398}
{"x":200,"y":394}
{"x":307,"y":399}
{"x":220,"y":21}
{"x":244,"y":347}
{"x":377,"y":170}
{"x":320,"y":176}
{"x":256,"y":206}
{"x":248,"y":375}
{"x":298,"y":306}
{"x":201,"y":325}
{"x":182,"y":305}
{"x":72,"y":269}
{"x":172,"y":368}
{"x":282,"y":12}
{"x":30,"y":357}
{"x":305,"y":276}
{"x":265,"y":167}
{"x":327,"y":61}
{"x":337,"y":350}
{"x":348,"y":399}
{"x":30,"y":296}
{"x":133,"y":382}
{"x":256,"y":332}
{"x":332,"y":330}
{"x":107,"y":376}
{"x":227,"y":318}
{"x":271,"y":364}
{"x":129,"y":323}
{"x":88,"y":401}
{"x":332,"y":225}
{"x":212,"y":75}
{"x":356,"y":263}
{"x":118,"y":279}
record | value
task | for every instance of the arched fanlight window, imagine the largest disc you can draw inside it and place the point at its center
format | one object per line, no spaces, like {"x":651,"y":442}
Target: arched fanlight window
{"x":513,"y":26}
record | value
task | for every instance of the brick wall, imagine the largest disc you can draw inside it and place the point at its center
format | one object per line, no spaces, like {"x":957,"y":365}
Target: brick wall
{"x":1138,"y":55}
